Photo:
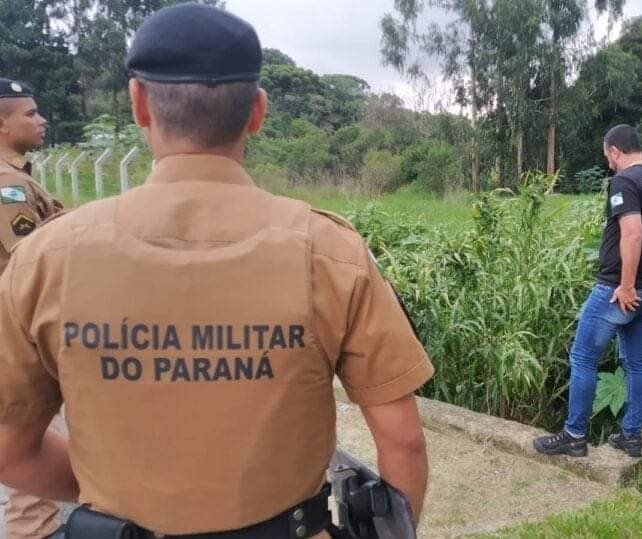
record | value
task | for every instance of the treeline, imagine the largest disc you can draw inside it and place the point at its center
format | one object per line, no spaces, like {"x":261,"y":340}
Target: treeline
{"x":534,"y":92}
{"x":331,"y":129}
{"x":538,"y":90}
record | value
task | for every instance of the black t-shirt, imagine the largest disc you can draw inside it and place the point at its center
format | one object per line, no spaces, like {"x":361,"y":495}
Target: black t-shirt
{"x":624,"y":198}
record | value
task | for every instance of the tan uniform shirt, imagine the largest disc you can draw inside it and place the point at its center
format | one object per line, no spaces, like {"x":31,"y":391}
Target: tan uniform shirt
{"x":23,"y":203}
{"x":194,"y":326}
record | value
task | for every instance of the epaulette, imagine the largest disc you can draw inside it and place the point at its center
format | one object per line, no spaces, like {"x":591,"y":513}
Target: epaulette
{"x":340,"y":220}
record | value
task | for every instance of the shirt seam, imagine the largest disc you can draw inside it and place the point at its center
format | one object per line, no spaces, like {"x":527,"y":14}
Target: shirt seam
{"x":339,"y":261}
{"x":390,"y":382}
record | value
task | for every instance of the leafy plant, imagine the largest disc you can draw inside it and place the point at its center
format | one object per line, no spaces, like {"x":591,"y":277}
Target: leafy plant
{"x":611,"y":392}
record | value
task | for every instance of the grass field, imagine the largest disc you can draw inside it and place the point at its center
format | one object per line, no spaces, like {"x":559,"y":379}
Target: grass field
{"x":618,"y":517}
{"x":452,"y":212}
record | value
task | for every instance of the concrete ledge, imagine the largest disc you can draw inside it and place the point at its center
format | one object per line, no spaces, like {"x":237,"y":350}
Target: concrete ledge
{"x":604,"y":464}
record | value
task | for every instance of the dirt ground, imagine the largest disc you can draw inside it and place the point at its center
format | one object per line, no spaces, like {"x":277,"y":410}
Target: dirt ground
{"x":475,"y":488}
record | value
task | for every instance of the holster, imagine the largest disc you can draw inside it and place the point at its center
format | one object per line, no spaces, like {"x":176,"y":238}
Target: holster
{"x":84,"y":523}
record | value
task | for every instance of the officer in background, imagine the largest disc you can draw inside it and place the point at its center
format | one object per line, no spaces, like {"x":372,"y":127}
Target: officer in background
{"x":23,"y":206}
{"x":199,"y":325}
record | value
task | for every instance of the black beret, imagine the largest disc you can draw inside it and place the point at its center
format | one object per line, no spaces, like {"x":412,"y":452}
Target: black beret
{"x":194,"y":43}
{"x":12,"y":88}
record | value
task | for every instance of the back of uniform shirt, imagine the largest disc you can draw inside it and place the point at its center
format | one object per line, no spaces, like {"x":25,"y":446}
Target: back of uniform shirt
{"x":194,"y":349}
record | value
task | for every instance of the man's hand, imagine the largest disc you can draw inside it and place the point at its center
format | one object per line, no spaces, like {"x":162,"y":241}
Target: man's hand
{"x":627,"y":297}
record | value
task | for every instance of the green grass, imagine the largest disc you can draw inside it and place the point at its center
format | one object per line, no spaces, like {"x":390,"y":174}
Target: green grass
{"x":453,"y":212}
{"x":617,"y":517}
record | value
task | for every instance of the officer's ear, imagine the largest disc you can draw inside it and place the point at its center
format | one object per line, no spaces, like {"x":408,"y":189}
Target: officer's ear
{"x":140,"y":103}
{"x":259,"y":110}
{"x":5,"y":112}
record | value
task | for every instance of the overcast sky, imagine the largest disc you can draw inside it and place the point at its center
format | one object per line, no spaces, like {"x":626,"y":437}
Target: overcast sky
{"x":341,"y":36}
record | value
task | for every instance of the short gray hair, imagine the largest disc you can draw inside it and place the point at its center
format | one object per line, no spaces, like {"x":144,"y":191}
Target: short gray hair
{"x":208,"y":116}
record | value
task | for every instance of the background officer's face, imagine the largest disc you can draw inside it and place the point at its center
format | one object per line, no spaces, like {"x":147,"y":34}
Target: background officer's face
{"x":21,"y":127}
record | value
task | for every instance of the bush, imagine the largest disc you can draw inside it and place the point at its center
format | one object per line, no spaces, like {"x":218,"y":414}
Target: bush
{"x":434,"y":165}
{"x":381,"y":172}
{"x":590,"y":180}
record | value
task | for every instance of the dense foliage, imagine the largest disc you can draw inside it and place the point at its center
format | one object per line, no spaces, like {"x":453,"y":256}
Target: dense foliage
{"x":496,"y":305}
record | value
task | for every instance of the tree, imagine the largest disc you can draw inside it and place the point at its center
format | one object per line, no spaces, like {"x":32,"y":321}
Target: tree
{"x":514,"y":31}
{"x":608,"y":91}
{"x":563,"y":20}
{"x":460,"y":45}
{"x":32,"y":51}
{"x":276,"y":57}
{"x":98,"y":30}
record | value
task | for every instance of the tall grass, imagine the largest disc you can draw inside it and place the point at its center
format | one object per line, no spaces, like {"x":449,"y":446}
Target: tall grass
{"x":496,"y":304}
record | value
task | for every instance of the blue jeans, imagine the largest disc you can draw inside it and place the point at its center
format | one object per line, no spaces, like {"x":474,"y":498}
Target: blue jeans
{"x":599,"y":322}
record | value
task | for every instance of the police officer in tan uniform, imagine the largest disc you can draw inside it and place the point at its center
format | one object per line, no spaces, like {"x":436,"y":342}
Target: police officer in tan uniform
{"x":199,"y":324}
{"x":23,"y":206}
{"x":23,"y":203}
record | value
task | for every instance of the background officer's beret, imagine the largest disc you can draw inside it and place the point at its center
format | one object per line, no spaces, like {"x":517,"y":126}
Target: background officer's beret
{"x":195,"y":43}
{"x":12,"y":88}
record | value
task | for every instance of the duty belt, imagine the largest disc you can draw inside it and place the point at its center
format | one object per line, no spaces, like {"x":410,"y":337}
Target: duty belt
{"x":305,"y":519}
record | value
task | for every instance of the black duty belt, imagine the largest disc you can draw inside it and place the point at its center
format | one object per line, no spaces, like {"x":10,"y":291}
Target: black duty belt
{"x":305,"y":519}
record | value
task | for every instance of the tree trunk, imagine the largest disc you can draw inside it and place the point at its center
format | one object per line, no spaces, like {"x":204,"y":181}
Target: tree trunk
{"x":552,"y":121}
{"x":520,"y":153}
{"x":476,"y":159}
{"x":115,"y":109}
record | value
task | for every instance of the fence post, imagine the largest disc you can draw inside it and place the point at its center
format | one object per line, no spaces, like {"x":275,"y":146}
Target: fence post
{"x":42,"y":171}
{"x":124,"y":171}
{"x":98,"y":171}
{"x":59,"y":165}
{"x":75,"y":194}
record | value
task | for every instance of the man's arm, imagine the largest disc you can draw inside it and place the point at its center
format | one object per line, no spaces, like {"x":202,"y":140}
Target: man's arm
{"x":630,"y":249}
{"x":401,"y":448}
{"x":36,"y":461}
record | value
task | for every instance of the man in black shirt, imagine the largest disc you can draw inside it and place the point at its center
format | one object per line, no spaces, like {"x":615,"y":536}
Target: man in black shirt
{"x":612,"y":307}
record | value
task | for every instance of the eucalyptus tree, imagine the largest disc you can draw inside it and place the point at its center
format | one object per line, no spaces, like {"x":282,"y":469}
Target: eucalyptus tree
{"x":514,"y":38}
{"x":562,"y":21}
{"x":460,"y":45}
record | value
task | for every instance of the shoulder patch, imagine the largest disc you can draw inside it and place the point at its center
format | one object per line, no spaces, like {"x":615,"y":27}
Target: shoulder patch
{"x":617,"y":200}
{"x":342,"y":221}
{"x":13,"y":194}
{"x":23,"y":225}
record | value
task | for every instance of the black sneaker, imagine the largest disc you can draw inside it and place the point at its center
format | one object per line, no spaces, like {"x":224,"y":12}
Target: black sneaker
{"x":631,"y":446}
{"x":561,"y":443}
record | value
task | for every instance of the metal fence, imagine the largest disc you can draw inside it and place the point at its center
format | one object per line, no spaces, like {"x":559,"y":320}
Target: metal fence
{"x":81,"y":174}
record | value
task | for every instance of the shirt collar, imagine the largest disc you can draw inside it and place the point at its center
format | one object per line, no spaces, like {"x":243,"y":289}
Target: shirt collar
{"x":15,"y":160}
{"x":199,"y":167}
